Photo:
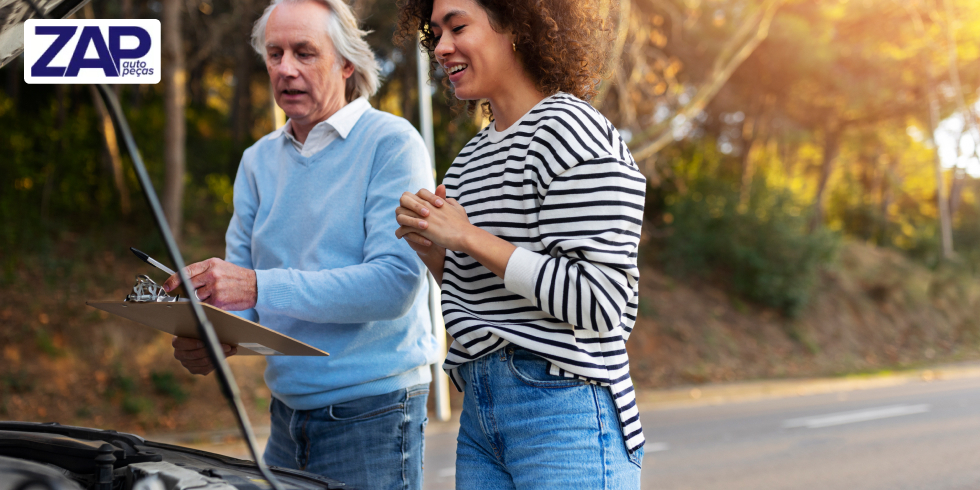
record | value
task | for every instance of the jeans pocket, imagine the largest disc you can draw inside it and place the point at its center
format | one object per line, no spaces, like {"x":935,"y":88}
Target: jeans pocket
{"x":533,"y":371}
{"x":368,"y":407}
{"x":364,"y":416}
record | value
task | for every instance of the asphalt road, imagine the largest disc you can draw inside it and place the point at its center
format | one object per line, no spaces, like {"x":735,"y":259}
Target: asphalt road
{"x":922,"y":435}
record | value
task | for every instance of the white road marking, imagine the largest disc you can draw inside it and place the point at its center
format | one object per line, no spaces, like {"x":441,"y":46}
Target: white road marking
{"x":655,"y":447}
{"x":865,"y":415}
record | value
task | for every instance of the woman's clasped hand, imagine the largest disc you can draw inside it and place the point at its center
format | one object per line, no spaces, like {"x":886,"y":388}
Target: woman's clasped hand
{"x":428,"y":219}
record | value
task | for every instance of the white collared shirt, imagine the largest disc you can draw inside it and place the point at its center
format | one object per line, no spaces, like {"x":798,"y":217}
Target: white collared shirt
{"x":325,"y":132}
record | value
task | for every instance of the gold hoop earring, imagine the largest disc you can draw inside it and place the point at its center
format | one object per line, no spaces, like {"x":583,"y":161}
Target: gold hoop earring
{"x":514,"y":45}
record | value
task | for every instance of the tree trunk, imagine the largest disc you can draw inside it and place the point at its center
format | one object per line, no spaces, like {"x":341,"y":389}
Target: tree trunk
{"x":956,"y":192}
{"x":61,"y":93}
{"x":831,"y":146}
{"x":14,"y":79}
{"x":748,"y":172}
{"x":174,"y":79}
{"x":242,"y":100}
{"x":750,"y":137}
{"x":112,"y":149}
{"x":969,"y":123}
{"x":945,"y":224}
{"x":61,"y":96}
{"x":889,"y":182}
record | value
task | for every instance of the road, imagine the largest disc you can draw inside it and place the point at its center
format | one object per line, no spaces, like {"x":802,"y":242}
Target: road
{"x":921,"y":435}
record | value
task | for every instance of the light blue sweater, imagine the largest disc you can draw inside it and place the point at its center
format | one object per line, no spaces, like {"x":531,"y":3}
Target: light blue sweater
{"x":320,"y":233}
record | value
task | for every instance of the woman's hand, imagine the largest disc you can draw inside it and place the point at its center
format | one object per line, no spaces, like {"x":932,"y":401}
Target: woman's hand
{"x":432,"y":255}
{"x":433,"y":219}
{"x":433,"y":222}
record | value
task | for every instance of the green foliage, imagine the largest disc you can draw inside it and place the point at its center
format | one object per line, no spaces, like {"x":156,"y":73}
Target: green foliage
{"x":17,"y":382}
{"x":135,"y":405}
{"x":120,"y":383}
{"x":56,"y":176}
{"x":966,"y":236}
{"x":123,"y":388}
{"x":647,"y":308}
{"x":46,"y":344}
{"x":762,"y":247}
{"x":261,"y":403}
{"x":165,"y":383}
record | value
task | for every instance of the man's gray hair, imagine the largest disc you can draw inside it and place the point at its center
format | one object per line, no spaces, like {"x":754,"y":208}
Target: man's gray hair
{"x":348,"y":41}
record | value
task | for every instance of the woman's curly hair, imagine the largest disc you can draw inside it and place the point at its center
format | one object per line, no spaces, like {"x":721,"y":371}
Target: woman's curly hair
{"x":562,"y":44}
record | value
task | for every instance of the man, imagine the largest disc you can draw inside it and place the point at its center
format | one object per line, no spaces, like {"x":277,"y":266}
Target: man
{"x":311,"y":253}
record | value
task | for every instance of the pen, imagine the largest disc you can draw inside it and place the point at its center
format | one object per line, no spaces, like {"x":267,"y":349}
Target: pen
{"x":152,"y":261}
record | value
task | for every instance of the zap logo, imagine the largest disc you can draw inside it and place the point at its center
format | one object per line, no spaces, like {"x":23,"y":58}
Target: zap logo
{"x":92,"y":51}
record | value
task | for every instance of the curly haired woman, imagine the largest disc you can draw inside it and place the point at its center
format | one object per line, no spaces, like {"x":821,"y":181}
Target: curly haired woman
{"x":533,"y":237}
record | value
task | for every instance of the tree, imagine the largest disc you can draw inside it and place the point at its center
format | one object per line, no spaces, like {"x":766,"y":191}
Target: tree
{"x":175,"y":136}
{"x":740,"y":46}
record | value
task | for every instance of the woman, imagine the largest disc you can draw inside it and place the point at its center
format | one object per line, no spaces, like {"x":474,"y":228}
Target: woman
{"x":533,"y":237}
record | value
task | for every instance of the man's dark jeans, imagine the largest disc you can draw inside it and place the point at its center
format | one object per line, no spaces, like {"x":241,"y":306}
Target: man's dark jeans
{"x":370,"y":443}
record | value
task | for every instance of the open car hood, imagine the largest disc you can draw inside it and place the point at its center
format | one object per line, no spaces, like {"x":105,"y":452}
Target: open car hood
{"x":78,"y":458}
{"x":13,"y":15}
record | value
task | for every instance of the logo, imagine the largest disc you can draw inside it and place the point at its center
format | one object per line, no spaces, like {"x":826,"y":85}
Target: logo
{"x":92,"y":51}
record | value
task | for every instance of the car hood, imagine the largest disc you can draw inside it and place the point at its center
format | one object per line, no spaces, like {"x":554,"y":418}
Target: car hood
{"x":81,"y":456}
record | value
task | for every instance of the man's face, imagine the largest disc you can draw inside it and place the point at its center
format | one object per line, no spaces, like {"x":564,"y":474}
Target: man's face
{"x":307,"y":77}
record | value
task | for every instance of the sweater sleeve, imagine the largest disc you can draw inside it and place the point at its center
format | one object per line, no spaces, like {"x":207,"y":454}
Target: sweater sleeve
{"x":385,"y":284}
{"x":589,"y":223}
{"x":238,"y":238}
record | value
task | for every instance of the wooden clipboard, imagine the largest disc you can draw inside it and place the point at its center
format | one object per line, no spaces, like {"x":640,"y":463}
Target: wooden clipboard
{"x":177,"y":318}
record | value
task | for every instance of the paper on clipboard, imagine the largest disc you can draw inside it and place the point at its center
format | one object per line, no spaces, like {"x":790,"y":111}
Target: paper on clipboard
{"x":177,"y":318}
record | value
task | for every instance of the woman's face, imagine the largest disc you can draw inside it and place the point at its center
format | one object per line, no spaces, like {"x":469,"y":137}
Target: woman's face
{"x":478,"y":60}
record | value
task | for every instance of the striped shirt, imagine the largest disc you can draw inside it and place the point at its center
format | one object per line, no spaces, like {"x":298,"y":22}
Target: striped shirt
{"x":561,"y":185}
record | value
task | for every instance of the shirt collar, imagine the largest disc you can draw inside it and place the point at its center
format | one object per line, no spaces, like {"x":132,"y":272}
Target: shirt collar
{"x":342,"y":121}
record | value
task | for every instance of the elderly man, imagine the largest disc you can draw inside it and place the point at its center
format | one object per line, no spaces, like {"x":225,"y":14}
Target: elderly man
{"x":311,"y":252}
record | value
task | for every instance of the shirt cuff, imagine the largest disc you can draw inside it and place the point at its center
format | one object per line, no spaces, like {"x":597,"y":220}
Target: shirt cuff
{"x":522,"y":269}
{"x":274,"y":290}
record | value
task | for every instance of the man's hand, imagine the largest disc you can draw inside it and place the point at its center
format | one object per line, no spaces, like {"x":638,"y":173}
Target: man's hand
{"x":220,"y":284}
{"x":193,"y":356}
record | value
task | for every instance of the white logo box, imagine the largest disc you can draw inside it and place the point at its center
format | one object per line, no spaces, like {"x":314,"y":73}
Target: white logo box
{"x":111,"y":51}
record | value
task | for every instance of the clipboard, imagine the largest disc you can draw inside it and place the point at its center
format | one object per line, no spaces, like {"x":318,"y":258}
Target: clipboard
{"x":177,"y":318}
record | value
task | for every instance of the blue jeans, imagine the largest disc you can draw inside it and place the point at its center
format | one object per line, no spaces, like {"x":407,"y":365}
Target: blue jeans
{"x":522,"y":428}
{"x":370,"y":443}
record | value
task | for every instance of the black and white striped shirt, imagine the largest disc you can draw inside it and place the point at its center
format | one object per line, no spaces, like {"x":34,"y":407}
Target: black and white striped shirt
{"x":561,"y":185}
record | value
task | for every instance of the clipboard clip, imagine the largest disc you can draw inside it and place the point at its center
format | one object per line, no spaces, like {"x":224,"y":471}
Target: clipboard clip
{"x":148,"y":291}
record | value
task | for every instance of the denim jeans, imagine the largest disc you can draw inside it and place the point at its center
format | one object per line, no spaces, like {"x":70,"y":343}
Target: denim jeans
{"x":370,"y":443}
{"x":522,"y":428}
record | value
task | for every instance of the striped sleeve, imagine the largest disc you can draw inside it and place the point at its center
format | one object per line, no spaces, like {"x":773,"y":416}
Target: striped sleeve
{"x":589,"y":223}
